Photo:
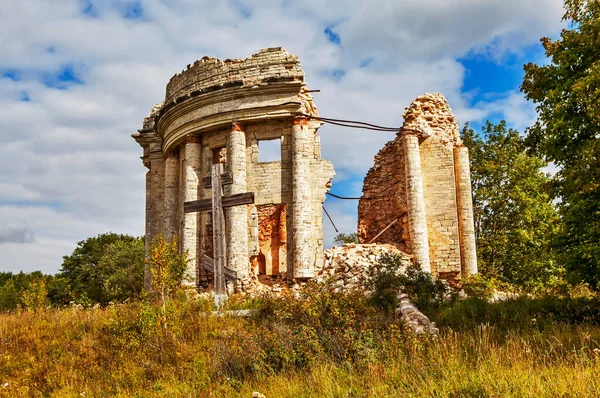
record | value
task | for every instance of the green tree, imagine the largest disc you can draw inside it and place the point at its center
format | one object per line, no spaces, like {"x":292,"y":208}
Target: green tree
{"x":23,"y":289}
{"x":514,"y":214}
{"x":9,"y":296}
{"x":122,"y":269}
{"x":567,"y":94}
{"x":59,"y":291}
{"x":342,"y":238}
{"x":101,"y":269}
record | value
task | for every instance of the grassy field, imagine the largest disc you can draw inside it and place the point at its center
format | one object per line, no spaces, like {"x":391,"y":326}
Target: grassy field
{"x":323,"y":345}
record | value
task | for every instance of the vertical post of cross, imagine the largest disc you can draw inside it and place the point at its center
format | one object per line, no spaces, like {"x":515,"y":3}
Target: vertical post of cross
{"x":218,"y":219}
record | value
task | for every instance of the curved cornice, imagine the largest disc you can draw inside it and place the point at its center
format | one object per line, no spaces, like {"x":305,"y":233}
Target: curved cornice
{"x":218,"y":109}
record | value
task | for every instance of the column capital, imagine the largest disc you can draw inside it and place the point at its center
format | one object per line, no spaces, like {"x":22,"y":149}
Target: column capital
{"x":171,"y":154}
{"x":300,"y":121}
{"x":237,"y":126}
{"x":408,"y":132}
{"x":192,"y":139}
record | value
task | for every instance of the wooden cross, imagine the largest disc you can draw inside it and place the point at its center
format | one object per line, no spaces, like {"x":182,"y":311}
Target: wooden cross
{"x":218,"y":265}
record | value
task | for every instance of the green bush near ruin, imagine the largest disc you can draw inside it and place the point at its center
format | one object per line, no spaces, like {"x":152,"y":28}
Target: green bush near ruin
{"x":389,"y":278}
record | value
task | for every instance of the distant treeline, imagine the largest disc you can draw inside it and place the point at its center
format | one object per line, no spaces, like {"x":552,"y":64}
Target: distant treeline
{"x":105,"y":268}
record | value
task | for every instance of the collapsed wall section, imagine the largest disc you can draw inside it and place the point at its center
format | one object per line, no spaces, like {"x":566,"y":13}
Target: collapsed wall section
{"x":384,"y":199}
{"x":431,"y":224}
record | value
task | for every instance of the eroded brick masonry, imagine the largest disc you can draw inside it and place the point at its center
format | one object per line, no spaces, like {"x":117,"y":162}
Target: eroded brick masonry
{"x":219,"y":111}
{"x":421,"y":184}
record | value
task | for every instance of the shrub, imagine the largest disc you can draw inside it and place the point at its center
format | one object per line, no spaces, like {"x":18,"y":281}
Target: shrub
{"x":385,"y":282}
{"x":389,"y":277}
{"x":168,"y":268}
{"x":479,"y":286}
{"x":35,"y":297}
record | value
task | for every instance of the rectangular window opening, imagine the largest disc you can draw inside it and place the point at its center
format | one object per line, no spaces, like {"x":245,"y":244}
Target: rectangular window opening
{"x":269,"y":150}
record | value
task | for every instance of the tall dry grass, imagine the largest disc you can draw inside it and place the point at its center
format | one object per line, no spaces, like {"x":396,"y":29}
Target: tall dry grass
{"x":122,"y":350}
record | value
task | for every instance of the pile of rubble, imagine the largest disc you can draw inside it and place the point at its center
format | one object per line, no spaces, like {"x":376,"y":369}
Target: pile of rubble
{"x":347,"y":266}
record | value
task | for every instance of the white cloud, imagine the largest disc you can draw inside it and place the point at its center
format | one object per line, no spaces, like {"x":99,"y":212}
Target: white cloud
{"x":16,"y":234}
{"x":70,"y":169}
{"x":511,"y":105}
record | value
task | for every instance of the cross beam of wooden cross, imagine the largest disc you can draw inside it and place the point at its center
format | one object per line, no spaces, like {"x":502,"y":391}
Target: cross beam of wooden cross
{"x":217,"y":203}
{"x":239,"y":199}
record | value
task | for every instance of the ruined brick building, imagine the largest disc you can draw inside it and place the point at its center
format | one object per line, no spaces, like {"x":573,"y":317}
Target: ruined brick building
{"x":420,"y":189}
{"x":226,"y":112}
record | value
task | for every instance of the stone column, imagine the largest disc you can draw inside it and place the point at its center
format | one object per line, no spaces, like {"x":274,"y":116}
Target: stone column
{"x":171,"y":194}
{"x":417,"y":219}
{"x":302,"y":228}
{"x":466,"y":225}
{"x":154,"y":205}
{"x":237,"y":216}
{"x":191,"y":181}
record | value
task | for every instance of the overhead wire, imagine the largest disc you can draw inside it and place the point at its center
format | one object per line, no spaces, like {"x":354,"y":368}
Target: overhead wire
{"x":359,"y":125}
{"x":351,"y":123}
{"x":330,"y":219}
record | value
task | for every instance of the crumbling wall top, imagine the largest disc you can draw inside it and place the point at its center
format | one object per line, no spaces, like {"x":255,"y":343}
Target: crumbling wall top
{"x":269,"y":65}
{"x":430,"y":116}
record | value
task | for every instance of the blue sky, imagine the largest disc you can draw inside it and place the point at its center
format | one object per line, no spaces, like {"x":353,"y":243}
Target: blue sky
{"x":77,"y":78}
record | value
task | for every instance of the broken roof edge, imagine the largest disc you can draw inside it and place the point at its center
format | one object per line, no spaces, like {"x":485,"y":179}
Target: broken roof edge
{"x":270,"y":65}
{"x":429,"y":115}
